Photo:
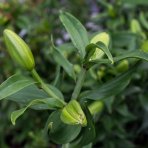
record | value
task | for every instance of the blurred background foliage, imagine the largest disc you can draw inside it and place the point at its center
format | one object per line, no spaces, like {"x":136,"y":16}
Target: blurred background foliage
{"x":124,"y":119}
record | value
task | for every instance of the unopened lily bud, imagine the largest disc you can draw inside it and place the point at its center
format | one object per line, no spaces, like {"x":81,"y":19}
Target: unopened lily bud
{"x":102,"y":37}
{"x":144,"y":46}
{"x":77,"y":68}
{"x":96,"y":107}
{"x":73,"y":114}
{"x":136,"y":28}
{"x":123,"y":66}
{"x":19,"y":50}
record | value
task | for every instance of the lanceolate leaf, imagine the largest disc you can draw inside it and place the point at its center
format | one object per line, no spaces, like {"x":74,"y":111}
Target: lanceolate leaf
{"x":31,"y":93}
{"x":143,"y":20}
{"x":109,"y":89}
{"x":62,"y":61}
{"x":101,"y":46}
{"x":132,"y":54}
{"x":56,"y":91}
{"x":50,"y":102}
{"x":14,"y":84}
{"x":105,"y":49}
{"x":136,"y":2}
{"x":76,"y":30}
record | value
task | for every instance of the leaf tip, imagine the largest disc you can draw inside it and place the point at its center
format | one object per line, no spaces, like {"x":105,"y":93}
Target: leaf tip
{"x":12,"y":119}
{"x":112,"y":61}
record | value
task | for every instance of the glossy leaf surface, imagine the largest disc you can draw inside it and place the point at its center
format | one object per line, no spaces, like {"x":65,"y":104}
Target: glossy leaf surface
{"x":109,"y":89}
{"x":62,"y":61}
{"x":50,"y":102}
{"x":14,"y":84}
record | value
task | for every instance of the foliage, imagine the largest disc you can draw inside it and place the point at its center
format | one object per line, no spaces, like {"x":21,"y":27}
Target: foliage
{"x":117,"y":80}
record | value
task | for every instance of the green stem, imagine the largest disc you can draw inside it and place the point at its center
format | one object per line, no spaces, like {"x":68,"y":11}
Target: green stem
{"x":45,"y":87}
{"x":79,"y":84}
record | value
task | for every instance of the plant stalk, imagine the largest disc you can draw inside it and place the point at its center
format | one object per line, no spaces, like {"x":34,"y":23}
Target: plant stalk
{"x":79,"y":84}
{"x":45,"y":87}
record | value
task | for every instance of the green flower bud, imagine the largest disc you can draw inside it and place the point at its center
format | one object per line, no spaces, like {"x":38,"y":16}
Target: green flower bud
{"x":73,"y":114}
{"x":136,"y":28}
{"x":19,"y":50}
{"x":96,"y":107}
{"x":103,"y":37}
{"x":144,"y":46}
{"x":123,"y":66}
{"x":101,"y":72}
{"x":77,"y":68}
{"x":111,"y":11}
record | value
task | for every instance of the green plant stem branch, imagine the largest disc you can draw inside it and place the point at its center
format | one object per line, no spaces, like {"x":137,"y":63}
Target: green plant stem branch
{"x":79,"y":84}
{"x":45,"y":87}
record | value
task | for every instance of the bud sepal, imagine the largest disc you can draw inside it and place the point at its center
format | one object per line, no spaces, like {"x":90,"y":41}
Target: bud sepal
{"x":73,"y":114}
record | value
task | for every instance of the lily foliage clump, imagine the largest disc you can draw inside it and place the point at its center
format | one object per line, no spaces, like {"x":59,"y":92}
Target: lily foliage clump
{"x":72,"y":121}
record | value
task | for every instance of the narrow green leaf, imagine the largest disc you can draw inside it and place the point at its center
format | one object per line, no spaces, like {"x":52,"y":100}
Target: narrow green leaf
{"x":136,"y":2}
{"x":52,"y":103}
{"x":104,"y":48}
{"x":102,"y":37}
{"x":124,"y":111}
{"x":56,"y":91}
{"x":14,"y":84}
{"x":31,"y":93}
{"x":58,"y":76}
{"x":143,"y":20}
{"x":124,"y":39}
{"x":91,"y":50}
{"x":76,"y":30}
{"x":109,"y":89}
{"x":62,"y":61}
{"x":132,"y":54}
{"x":16,"y":114}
